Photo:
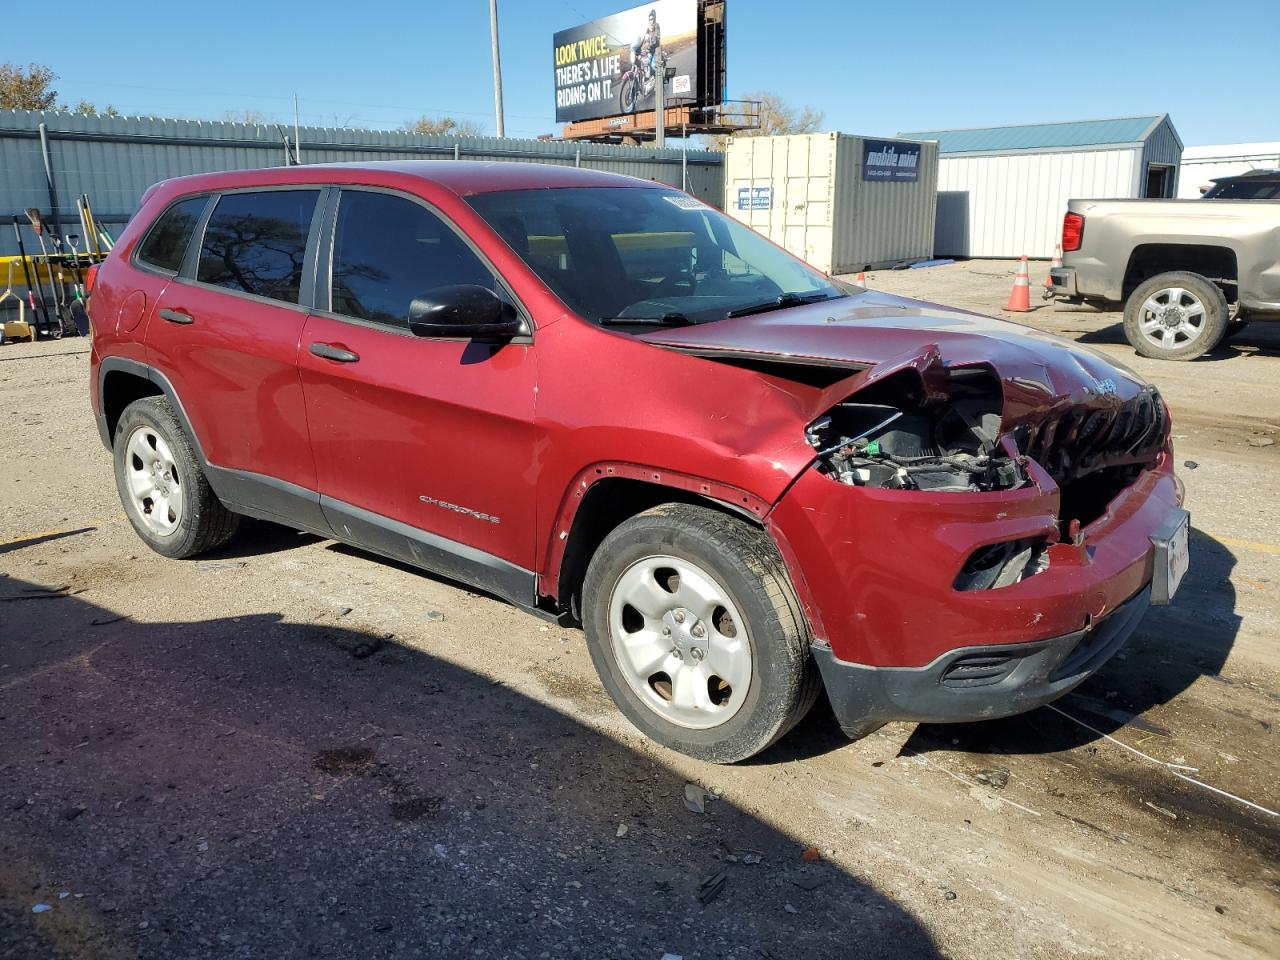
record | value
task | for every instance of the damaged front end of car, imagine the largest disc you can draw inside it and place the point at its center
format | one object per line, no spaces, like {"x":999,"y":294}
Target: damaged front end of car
{"x":980,"y":520}
{"x":919,"y":427}
{"x":933,"y":483}
{"x":969,"y":554}
{"x":915,"y":424}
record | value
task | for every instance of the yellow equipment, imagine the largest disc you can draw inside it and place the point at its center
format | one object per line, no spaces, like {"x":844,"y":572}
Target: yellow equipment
{"x":15,"y":329}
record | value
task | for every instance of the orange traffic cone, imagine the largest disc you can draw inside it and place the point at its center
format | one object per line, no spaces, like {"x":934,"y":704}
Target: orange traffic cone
{"x":1055,"y":262}
{"x":861,"y":278}
{"x":1020,"y":295}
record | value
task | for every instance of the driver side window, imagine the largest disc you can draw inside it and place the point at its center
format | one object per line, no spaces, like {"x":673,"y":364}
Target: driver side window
{"x":387,"y":250}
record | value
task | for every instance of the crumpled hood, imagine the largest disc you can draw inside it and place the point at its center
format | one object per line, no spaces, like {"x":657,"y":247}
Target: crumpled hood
{"x":1039,"y":371}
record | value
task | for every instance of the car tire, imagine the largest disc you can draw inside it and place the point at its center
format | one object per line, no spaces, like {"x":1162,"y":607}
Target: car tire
{"x":729,"y":588}
{"x":164,"y":491}
{"x":1175,"y":316}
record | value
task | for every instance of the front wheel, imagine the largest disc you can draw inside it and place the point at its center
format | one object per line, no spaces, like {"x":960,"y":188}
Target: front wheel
{"x":696,"y":633}
{"x":629,"y":95}
{"x":1175,"y":316}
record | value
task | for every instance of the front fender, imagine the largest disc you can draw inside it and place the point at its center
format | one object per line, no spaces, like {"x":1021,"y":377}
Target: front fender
{"x":743,"y":502}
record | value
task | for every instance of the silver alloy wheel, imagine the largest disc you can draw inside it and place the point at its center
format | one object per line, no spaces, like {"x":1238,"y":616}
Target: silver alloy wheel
{"x":153,"y":481}
{"x":1171,"y":318}
{"x":680,"y":642}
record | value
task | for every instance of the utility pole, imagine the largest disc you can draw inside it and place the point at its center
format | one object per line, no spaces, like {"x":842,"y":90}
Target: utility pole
{"x":497,"y":66}
{"x":660,"y":107}
{"x":684,"y":157}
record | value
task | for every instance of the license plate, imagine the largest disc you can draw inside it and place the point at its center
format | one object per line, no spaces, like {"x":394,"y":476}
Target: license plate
{"x":1173,"y":556}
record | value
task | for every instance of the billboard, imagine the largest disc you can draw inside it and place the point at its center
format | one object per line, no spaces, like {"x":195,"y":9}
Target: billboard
{"x":890,"y":160}
{"x":608,"y":67}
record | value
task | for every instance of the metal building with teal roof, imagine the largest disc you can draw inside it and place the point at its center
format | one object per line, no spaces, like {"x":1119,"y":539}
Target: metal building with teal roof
{"x":1002,"y":191}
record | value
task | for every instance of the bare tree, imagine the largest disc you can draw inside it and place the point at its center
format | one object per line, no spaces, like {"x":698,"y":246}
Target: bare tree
{"x":87,"y":109}
{"x":27,"y":88}
{"x":777,"y":117}
{"x":255,"y":118}
{"x":447,"y":126}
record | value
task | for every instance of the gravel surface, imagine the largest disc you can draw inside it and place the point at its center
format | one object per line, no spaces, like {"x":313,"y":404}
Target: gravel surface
{"x":293,"y":749}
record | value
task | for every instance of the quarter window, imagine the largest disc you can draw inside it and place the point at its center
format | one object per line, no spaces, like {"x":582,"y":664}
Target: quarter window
{"x":166,"y":243}
{"x":256,"y":242}
{"x":388,"y":250}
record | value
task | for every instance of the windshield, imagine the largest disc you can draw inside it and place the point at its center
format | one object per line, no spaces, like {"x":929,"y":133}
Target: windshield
{"x":625,"y":256}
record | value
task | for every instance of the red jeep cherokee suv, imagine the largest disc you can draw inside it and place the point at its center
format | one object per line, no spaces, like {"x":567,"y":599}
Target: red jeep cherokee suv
{"x":604,"y":401}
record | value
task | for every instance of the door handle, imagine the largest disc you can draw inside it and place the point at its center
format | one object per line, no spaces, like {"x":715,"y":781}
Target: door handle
{"x":330,"y":352}
{"x":177,"y":316}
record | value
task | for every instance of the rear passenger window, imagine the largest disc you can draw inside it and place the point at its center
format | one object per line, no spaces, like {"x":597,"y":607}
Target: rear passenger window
{"x":166,"y":242}
{"x":388,"y":250}
{"x":255,"y":242}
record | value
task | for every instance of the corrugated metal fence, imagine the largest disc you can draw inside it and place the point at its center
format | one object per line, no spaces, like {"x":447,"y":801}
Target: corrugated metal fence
{"x":115,"y":159}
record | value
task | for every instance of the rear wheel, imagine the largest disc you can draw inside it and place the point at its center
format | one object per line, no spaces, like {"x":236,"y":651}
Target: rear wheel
{"x":165,"y":494}
{"x":696,"y":633}
{"x":1175,"y":316}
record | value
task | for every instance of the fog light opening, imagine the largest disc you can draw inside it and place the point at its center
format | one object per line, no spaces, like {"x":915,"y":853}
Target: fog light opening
{"x":998,"y":565}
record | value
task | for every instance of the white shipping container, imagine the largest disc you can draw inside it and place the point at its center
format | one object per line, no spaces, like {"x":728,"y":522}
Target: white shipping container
{"x":807,"y":193}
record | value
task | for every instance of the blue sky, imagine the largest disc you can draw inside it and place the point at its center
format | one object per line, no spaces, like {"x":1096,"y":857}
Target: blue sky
{"x":874,"y":68}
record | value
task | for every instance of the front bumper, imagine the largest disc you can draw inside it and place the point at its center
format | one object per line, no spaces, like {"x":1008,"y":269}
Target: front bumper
{"x":975,"y":683}
{"x":875,"y":569}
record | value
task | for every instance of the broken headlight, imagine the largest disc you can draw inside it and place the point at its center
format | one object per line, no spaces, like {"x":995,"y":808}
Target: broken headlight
{"x":946,"y":445}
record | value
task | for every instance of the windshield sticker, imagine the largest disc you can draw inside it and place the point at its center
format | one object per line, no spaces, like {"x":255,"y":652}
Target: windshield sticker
{"x":684,"y":203}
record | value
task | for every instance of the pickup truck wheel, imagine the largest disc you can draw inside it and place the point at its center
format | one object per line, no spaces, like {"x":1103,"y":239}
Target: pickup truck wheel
{"x":696,"y":633}
{"x":1175,"y":316}
{"x":165,"y":494}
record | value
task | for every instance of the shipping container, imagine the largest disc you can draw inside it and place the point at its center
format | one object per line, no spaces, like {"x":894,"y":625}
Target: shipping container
{"x":840,"y":202}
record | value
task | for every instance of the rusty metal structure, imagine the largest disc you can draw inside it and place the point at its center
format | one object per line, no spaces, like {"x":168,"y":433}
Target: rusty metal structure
{"x":732,"y":116}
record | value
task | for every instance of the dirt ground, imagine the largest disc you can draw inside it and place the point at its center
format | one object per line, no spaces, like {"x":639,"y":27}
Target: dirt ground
{"x":293,"y":749}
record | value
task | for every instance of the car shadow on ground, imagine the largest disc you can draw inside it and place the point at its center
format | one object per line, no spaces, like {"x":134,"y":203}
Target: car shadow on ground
{"x":255,"y":538}
{"x":1172,"y":648}
{"x":250,"y":787}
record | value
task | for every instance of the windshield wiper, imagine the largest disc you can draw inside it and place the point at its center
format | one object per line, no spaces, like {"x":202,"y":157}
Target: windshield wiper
{"x":666,"y":320}
{"x":780,"y":302}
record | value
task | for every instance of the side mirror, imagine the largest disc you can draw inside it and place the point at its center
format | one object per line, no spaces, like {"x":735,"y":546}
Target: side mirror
{"x":463,"y":310}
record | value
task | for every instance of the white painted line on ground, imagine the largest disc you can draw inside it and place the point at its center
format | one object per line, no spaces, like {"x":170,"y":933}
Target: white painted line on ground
{"x":967,"y":782}
{"x":1171,"y":767}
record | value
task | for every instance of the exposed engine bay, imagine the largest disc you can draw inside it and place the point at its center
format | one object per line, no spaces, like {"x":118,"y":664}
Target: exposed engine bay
{"x":898,"y":435}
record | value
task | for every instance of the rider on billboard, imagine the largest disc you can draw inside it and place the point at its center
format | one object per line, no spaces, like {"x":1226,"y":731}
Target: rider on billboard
{"x":645,"y":48}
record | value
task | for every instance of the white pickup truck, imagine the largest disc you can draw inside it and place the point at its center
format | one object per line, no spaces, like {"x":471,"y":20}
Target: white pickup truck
{"x":1189,"y":272}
